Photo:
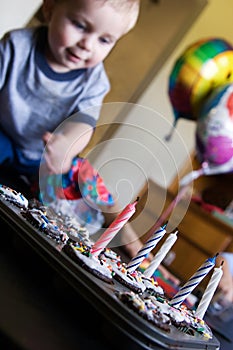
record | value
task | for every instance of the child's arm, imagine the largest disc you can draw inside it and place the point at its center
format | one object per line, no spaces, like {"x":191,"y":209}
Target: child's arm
{"x":62,"y":147}
{"x":226,"y":282}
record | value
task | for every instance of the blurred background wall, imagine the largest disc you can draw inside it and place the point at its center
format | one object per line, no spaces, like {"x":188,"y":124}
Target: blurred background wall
{"x":144,"y":153}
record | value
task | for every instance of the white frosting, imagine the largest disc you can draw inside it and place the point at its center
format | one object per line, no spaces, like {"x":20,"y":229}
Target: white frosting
{"x":38,"y":217}
{"x":150,"y":285}
{"x":111,"y":255}
{"x":93,"y":263}
{"x":132,"y":279}
{"x":13,"y":196}
{"x":43,"y":223}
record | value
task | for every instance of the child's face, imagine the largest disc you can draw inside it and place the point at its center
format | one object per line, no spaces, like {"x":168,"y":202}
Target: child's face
{"x":81,"y":33}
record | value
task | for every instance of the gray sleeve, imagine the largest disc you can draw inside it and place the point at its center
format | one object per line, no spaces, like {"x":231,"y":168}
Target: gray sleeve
{"x":6,"y":54}
{"x":94,"y":92}
{"x":81,"y":117}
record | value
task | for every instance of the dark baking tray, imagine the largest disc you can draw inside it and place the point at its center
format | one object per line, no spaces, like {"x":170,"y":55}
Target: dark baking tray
{"x":100,"y":294}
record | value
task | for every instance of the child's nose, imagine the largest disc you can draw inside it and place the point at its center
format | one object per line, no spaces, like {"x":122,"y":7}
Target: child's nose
{"x":87,"y":42}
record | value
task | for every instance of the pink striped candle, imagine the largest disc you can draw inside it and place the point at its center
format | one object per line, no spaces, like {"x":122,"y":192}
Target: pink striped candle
{"x":146,"y":249}
{"x":113,"y":228}
{"x":194,"y":280}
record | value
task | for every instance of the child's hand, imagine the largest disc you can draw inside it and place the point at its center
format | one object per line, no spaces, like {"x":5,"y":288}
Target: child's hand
{"x":226,"y":282}
{"x":226,"y":287}
{"x":62,"y":147}
{"x":57,"y":157}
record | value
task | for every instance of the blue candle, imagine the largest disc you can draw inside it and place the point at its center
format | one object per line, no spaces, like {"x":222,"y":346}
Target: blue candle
{"x":194,"y":280}
{"x":146,"y":249}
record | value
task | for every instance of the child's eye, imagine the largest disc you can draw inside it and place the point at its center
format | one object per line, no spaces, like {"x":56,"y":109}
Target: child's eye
{"x":105,"y":40}
{"x":79,"y":25}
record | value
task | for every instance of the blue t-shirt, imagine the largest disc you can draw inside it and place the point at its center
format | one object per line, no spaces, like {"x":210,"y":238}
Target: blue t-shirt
{"x":35,"y":99}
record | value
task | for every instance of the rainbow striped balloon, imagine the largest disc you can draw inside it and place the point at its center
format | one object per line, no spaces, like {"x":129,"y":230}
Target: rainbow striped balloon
{"x":203,"y":66}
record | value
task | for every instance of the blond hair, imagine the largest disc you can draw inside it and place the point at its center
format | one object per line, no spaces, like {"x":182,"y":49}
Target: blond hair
{"x":129,"y":7}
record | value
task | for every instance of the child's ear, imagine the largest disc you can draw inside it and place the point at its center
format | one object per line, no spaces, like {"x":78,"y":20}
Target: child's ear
{"x":47,"y":8}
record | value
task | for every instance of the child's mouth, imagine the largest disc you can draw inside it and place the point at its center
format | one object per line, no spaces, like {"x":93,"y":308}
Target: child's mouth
{"x":73,"y":57}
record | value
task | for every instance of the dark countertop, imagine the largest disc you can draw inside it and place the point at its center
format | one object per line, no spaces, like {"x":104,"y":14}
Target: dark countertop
{"x":40,"y":310}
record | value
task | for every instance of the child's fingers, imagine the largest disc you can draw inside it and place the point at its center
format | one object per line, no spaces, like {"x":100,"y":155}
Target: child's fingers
{"x":51,"y":168}
{"x":46,"y":137}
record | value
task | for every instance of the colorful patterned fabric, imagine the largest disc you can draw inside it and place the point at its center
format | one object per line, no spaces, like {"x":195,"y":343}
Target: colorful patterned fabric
{"x":82,"y":181}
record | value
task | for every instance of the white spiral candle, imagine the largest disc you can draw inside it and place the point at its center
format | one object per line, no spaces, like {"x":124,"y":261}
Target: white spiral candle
{"x":209,"y":292}
{"x":146,"y":249}
{"x":158,"y":258}
{"x":194,"y":280}
{"x":113,"y":228}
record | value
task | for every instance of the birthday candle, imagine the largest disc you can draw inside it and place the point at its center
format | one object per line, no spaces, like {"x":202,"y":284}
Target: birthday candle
{"x":113,"y":228}
{"x":194,"y":280}
{"x":146,"y":249}
{"x":209,"y":292}
{"x":158,"y":258}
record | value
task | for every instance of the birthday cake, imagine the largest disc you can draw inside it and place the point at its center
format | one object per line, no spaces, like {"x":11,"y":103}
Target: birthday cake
{"x":132,"y":280}
{"x":65,"y":220}
{"x":135,"y":280}
{"x":80,"y":253}
{"x":13,"y":196}
{"x":140,"y":293}
{"x":54,"y":225}
{"x":144,"y":309}
{"x":151,"y":286}
{"x":39,"y":219}
{"x":158,"y":311}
